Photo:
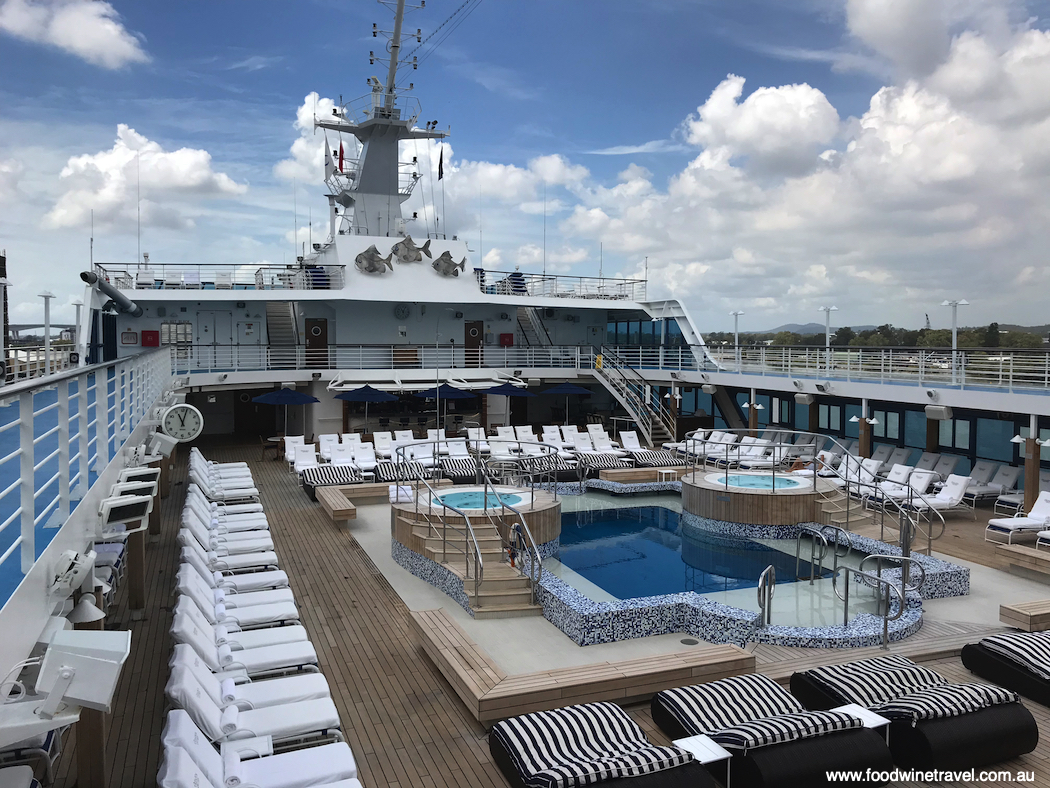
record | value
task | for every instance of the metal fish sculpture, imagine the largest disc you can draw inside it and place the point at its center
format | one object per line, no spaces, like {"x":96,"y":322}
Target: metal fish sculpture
{"x":371,"y":262}
{"x":406,"y":251}
{"x":445,"y":266}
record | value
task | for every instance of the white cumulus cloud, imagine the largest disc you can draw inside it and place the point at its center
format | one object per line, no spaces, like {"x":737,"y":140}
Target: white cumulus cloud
{"x":306,"y":163}
{"x":171,"y":184}
{"x":88,"y":29}
{"x":10,"y":173}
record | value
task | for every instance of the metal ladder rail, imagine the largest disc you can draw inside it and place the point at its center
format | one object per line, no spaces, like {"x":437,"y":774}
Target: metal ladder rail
{"x":816,"y":558}
{"x":905,"y":562}
{"x":469,"y":538}
{"x":767,"y":586}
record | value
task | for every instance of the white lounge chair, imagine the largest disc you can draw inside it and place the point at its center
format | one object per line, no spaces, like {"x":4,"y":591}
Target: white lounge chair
{"x":525,"y":433}
{"x":306,"y":719}
{"x":305,"y":457}
{"x":219,"y":509}
{"x":382,"y":441}
{"x":1004,"y":480}
{"x":224,"y":523}
{"x":568,"y":434}
{"x":187,"y":577}
{"x":342,"y":454}
{"x":1012,"y":502}
{"x":948,"y":498}
{"x":629,"y":441}
{"x":506,"y":434}
{"x":189,"y":623}
{"x":325,"y":444}
{"x":478,"y":441}
{"x":365,"y":458}
{"x":457,"y":449}
{"x":895,"y":484}
{"x":882,"y":453}
{"x":215,"y":608}
{"x":190,"y":761}
{"x":404,"y":436}
{"x":899,"y":456}
{"x":945,"y":466}
{"x":237,"y":583}
{"x":597,"y":430}
{"x":236,"y":542}
{"x":290,"y":442}
{"x":552,"y":435}
{"x":603,"y":444}
{"x":245,"y":562}
{"x":927,"y":461}
{"x":1035,"y":521}
{"x":254,"y":663}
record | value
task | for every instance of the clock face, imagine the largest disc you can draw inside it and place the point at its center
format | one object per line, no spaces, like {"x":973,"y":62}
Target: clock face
{"x":402,"y":311}
{"x":182,"y":422}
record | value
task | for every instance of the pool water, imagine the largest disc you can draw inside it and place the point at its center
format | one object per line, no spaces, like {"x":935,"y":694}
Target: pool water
{"x":644,"y":551}
{"x":755,"y":481}
{"x":476,"y":499}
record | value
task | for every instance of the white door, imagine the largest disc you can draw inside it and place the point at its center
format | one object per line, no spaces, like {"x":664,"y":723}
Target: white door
{"x":249,"y":344}
{"x":213,"y":343}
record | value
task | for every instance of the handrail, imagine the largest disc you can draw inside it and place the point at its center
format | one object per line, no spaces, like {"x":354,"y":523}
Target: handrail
{"x":468,"y":532}
{"x":885,"y":606}
{"x":767,"y":586}
{"x":815,"y":559}
{"x":906,"y":563}
{"x":661,"y":413}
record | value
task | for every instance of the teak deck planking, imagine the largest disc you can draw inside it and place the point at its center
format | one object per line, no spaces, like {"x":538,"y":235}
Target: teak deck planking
{"x":404,"y":721}
{"x":1028,"y":616}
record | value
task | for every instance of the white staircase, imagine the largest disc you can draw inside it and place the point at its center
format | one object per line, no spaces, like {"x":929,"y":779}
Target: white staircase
{"x":281,"y":326}
{"x":532,"y":328}
{"x":634,"y":393}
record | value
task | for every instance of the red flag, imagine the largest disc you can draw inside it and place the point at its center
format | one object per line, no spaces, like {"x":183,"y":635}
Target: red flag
{"x":340,"y":157}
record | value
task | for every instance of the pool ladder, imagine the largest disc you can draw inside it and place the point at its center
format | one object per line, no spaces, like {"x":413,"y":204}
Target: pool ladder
{"x":818,"y":549}
{"x":767,"y":586}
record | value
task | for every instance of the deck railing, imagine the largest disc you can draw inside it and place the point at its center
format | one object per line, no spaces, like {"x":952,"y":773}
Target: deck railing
{"x":24,"y":362}
{"x":219,"y":276}
{"x":57,"y":432}
{"x":551,"y":285}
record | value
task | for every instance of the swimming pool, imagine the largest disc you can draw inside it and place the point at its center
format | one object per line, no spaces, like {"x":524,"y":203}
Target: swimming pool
{"x":477,"y":499}
{"x":644,"y":551}
{"x":754,"y":481}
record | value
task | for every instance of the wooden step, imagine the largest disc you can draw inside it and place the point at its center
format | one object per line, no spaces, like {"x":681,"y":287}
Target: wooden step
{"x":492,"y":570}
{"x":507,"y":611}
{"x":513,"y":596}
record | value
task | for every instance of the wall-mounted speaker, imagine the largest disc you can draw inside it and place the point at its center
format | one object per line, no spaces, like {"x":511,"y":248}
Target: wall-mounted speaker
{"x":938,"y":412}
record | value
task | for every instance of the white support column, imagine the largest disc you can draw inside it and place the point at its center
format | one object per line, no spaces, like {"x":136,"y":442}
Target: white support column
{"x":63,"y":451}
{"x":25,"y":441}
{"x":82,"y":433}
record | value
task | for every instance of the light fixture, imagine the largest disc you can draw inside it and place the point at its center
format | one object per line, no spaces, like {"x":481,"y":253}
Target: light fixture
{"x":856,"y":419}
{"x":797,"y":384}
{"x":758,"y":405}
{"x":1018,"y":439}
{"x":85,"y":611}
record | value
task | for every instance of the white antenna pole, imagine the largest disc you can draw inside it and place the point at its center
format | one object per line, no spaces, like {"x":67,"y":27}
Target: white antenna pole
{"x":395,"y":49}
{"x":545,"y":228}
{"x":295,"y":221}
{"x":601,"y":258}
{"x":91,"y":242}
{"x":310,"y":232}
{"x":138,"y":212}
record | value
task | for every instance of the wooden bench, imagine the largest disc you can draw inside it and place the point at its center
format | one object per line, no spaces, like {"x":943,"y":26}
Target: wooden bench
{"x":1027,"y":616}
{"x":492,"y":695}
{"x":1027,"y":559}
{"x":335,"y":504}
{"x":637,"y":475}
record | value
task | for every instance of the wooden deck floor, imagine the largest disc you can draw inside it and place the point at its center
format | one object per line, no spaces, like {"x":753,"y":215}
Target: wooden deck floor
{"x":404,"y":722}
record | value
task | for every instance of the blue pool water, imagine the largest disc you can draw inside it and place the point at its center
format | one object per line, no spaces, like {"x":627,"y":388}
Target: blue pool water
{"x":750,"y":481}
{"x":643,"y":551}
{"x":475,"y":499}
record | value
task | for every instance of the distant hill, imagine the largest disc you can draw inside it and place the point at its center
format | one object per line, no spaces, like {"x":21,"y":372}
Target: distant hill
{"x":804,"y":328}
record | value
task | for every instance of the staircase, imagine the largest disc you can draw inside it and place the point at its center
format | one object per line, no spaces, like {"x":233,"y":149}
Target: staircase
{"x":833,"y":511}
{"x":532,"y":328}
{"x":281,"y":326}
{"x":655,"y":421}
{"x":504,"y":592}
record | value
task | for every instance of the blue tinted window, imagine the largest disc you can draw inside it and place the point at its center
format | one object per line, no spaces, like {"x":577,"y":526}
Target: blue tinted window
{"x":915,"y":429}
{"x":852,"y":428}
{"x":993,"y":440}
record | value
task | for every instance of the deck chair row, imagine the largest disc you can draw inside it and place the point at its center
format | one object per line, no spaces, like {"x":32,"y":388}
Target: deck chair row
{"x":748,"y":731}
{"x":250,"y":706}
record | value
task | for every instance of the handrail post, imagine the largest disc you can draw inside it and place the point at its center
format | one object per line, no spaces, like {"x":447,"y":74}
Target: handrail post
{"x":82,"y":433}
{"x":25,"y":439}
{"x":63,"y":451}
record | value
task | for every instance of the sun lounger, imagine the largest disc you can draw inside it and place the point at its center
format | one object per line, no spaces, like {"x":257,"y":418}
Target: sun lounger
{"x":381,"y":444}
{"x":948,"y":498}
{"x":945,"y":466}
{"x":591,"y":743}
{"x":934,"y":724}
{"x":1038,"y":519}
{"x":477,"y":440}
{"x":245,"y":694}
{"x":656,"y":458}
{"x":302,"y":720}
{"x":220,"y":508}
{"x":244,"y":562}
{"x":282,"y":658}
{"x":1004,"y":480}
{"x":221,"y":609}
{"x":1018,"y":661}
{"x":238,"y":584}
{"x":899,"y":456}
{"x":881,"y":454}
{"x":189,"y":622}
{"x":190,"y":761}
{"x":773,"y":738}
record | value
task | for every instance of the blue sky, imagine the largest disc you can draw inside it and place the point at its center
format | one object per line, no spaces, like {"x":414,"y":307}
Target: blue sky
{"x":804,"y":193}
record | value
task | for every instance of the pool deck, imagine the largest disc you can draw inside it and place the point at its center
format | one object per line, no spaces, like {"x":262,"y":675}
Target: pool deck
{"x":405,"y":723}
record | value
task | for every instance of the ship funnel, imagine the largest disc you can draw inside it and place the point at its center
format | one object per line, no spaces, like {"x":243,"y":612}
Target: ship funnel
{"x":124,"y":304}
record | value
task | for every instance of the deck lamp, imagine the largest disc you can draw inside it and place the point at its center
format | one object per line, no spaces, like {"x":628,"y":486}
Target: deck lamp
{"x":85,"y":611}
{"x":757,"y":405}
{"x":856,"y":419}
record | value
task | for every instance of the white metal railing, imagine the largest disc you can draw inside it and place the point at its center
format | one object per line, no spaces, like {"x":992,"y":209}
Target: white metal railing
{"x":24,"y":362}
{"x":220,"y":276}
{"x":523,"y":284}
{"x":996,"y":368}
{"x":62,"y":429}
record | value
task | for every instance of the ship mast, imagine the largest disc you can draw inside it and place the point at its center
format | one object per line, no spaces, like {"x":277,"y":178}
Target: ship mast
{"x":395,"y":49}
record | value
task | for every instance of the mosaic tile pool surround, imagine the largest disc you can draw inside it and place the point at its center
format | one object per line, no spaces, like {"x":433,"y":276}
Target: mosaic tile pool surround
{"x":588,"y":622}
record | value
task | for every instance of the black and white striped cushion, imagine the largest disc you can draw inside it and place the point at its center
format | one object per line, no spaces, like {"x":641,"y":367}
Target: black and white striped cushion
{"x":946,"y":700}
{"x":400,"y":471}
{"x":785,"y":728}
{"x":545,"y":463}
{"x":459,"y":467}
{"x":602,"y":461}
{"x":326,"y":475}
{"x":657,"y":458}
{"x":1030,"y":650}
{"x":870,"y":682}
{"x":581,"y":745}
{"x":717,"y":705}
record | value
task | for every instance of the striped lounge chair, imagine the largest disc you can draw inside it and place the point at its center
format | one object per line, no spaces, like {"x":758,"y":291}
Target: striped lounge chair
{"x":328,"y":476}
{"x":593,"y":463}
{"x":934,"y":724}
{"x":391,"y":472}
{"x":588,"y":744}
{"x":773,"y":739}
{"x":657,"y":458}
{"x":462,"y":470}
{"x":1019,"y":661}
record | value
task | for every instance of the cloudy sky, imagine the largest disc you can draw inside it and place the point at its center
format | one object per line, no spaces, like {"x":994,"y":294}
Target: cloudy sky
{"x":878,"y":155}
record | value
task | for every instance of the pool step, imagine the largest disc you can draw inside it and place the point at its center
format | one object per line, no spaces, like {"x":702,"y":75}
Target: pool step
{"x":507,"y":611}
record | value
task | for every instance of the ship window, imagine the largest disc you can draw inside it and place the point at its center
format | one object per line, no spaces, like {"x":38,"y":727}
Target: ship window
{"x":610,"y":334}
{"x":647,"y":333}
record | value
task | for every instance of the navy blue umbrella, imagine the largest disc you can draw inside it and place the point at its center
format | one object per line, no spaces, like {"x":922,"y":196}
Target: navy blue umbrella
{"x":286,"y":397}
{"x":507,"y":390}
{"x":366,"y":394}
{"x":445,"y":392}
{"x":565,"y":389}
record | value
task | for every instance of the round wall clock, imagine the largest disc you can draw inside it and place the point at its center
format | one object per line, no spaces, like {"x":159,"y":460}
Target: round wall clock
{"x":182,"y":422}
{"x":402,"y":311}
